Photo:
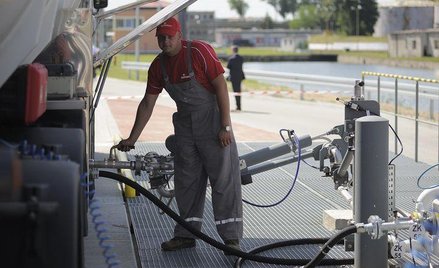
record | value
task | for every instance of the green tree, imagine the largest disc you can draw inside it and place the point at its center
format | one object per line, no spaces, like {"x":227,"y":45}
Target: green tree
{"x":356,"y":16}
{"x":306,"y":17}
{"x":240,"y":6}
{"x":327,"y":10}
{"x":283,"y":7}
{"x":368,"y":16}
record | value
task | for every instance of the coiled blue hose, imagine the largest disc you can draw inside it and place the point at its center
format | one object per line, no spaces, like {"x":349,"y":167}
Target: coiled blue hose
{"x":99,"y":226}
{"x":292,"y":136}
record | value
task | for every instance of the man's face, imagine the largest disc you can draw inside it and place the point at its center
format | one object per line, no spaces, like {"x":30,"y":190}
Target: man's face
{"x":170,"y":45}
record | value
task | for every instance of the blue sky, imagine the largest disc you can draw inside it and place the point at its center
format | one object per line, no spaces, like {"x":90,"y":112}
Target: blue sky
{"x":257,"y":8}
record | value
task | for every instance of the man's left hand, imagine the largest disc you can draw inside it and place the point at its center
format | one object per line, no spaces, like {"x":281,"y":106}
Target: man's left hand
{"x":225,"y":137}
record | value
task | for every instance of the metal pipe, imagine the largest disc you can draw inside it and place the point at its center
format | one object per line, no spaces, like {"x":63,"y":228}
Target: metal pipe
{"x":111,"y":164}
{"x":269,"y":165}
{"x":396,"y":115}
{"x":371,"y":187}
{"x":416,"y":121}
{"x":385,"y":226}
{"x":345,"y":193}
{"x":349,"y":156}
{"x":100,"y":87}
{"x":378,"y":89}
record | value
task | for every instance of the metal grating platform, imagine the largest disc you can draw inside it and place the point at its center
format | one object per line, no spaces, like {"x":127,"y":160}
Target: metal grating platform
{"x":299,"y":216}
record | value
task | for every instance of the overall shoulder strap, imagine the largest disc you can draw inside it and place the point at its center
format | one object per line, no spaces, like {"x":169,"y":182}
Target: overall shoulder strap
{"x":189,"y":59}
{"x":163,"y":67}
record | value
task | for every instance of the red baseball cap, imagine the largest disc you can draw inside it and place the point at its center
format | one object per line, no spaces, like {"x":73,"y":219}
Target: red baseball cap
{"x":169,"y":27}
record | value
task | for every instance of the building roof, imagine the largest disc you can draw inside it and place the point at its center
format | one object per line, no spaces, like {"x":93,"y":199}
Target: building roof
{"x":409,"y":3}
{"x":417,"y":31}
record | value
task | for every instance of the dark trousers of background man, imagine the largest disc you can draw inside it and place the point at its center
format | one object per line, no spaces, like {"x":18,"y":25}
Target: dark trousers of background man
{"x":236,"y":85}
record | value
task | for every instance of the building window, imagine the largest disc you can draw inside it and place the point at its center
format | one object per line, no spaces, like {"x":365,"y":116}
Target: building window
{"x":127,"y":23}
{"x":413,"y":44}
{"x":436,"y":44}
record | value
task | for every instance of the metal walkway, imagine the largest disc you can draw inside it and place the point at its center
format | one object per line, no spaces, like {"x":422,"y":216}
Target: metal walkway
{"x":299,"y":216}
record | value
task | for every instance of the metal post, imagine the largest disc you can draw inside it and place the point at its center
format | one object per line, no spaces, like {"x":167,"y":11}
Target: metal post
{"x":396,"y":114}
{"x":302,"y":92}
{"x":417,"y":122}
{"x":357,"y":21}
{"x":363,"y":88}
{"x":136,"y":43}
{"x":379,"y":89}
{"x":371,"y":187}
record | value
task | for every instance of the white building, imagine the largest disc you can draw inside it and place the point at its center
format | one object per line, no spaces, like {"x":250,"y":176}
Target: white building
{"x":414,"y":43}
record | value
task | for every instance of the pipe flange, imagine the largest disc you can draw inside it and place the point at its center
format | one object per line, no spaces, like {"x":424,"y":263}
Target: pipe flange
{"x":375,"y":232}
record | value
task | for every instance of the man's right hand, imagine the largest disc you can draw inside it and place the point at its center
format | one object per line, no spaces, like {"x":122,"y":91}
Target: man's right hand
{"x":125,"y":145}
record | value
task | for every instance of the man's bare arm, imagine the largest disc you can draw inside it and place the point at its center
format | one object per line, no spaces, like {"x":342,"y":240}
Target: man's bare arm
{"x":144,"y":112}
{"x":222,"y":96}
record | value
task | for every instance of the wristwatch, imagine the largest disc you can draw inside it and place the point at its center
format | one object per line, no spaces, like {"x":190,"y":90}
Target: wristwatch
{"x":227,"y":128}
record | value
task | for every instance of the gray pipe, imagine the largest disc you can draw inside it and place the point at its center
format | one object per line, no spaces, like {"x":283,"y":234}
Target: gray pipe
{"x":111,"y":164}
{"x":269,"y":165}
{"x":349,"y":156}
{"x":371,"y":187}
{"x":273,"y":151}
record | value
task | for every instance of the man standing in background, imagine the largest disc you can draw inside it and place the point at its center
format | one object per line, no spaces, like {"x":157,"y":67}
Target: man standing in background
{"x":236,"y":74}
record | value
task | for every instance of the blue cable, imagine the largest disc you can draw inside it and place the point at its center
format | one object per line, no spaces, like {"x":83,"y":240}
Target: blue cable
{"x":423,"y":173}
{"x":292,"y":186}
{"x":99,"y":226}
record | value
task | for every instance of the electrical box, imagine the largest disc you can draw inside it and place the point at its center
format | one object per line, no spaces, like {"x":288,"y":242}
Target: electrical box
{"x":61,"y":83}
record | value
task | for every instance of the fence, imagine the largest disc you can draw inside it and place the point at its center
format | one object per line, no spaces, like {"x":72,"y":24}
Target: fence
{"x":419,"y":89}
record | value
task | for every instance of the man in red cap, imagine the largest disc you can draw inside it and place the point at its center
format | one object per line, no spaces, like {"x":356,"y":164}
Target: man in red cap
{"x":205,"y":146}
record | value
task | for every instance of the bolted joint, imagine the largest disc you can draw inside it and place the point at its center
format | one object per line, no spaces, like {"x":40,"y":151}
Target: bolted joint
{"x":375,"y":231}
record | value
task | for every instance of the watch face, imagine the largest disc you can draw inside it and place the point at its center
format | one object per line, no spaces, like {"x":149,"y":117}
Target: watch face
{"x":227,"y":128}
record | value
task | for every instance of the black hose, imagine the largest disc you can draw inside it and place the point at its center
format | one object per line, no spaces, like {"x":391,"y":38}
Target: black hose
{"x":208,"y":239}
{"x":331,"y":242}
{"x":280,"y":244}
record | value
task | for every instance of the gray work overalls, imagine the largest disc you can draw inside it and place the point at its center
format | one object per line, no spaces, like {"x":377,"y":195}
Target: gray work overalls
{"x":199,"y":156}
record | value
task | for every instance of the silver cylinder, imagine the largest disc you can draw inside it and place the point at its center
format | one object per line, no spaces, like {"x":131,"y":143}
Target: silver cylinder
{"x":274,"y":151}
{"x":371,"y":187}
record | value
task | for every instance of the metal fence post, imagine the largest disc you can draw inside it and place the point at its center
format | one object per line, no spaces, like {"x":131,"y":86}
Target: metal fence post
{"x":379,"y":89}
{"x":371,"y":187}
{"x":396,"y":114}
{"x":417,"y":121}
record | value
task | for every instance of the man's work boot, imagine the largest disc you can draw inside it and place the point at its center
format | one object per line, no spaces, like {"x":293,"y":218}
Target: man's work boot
{"x":178,"y":243}
{"x":233,"y":243}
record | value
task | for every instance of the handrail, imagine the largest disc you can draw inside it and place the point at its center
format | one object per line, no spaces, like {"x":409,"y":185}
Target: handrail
{"x":417,"y":93}
{"x":329,"y":81}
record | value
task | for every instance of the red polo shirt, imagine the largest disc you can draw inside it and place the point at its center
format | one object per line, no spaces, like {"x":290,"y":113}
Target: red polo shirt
{"x":205,"y":64}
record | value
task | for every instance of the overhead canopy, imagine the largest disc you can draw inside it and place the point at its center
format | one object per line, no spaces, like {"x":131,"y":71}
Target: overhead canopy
{"x":135,"y":34}
{"x":111,"y":12}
